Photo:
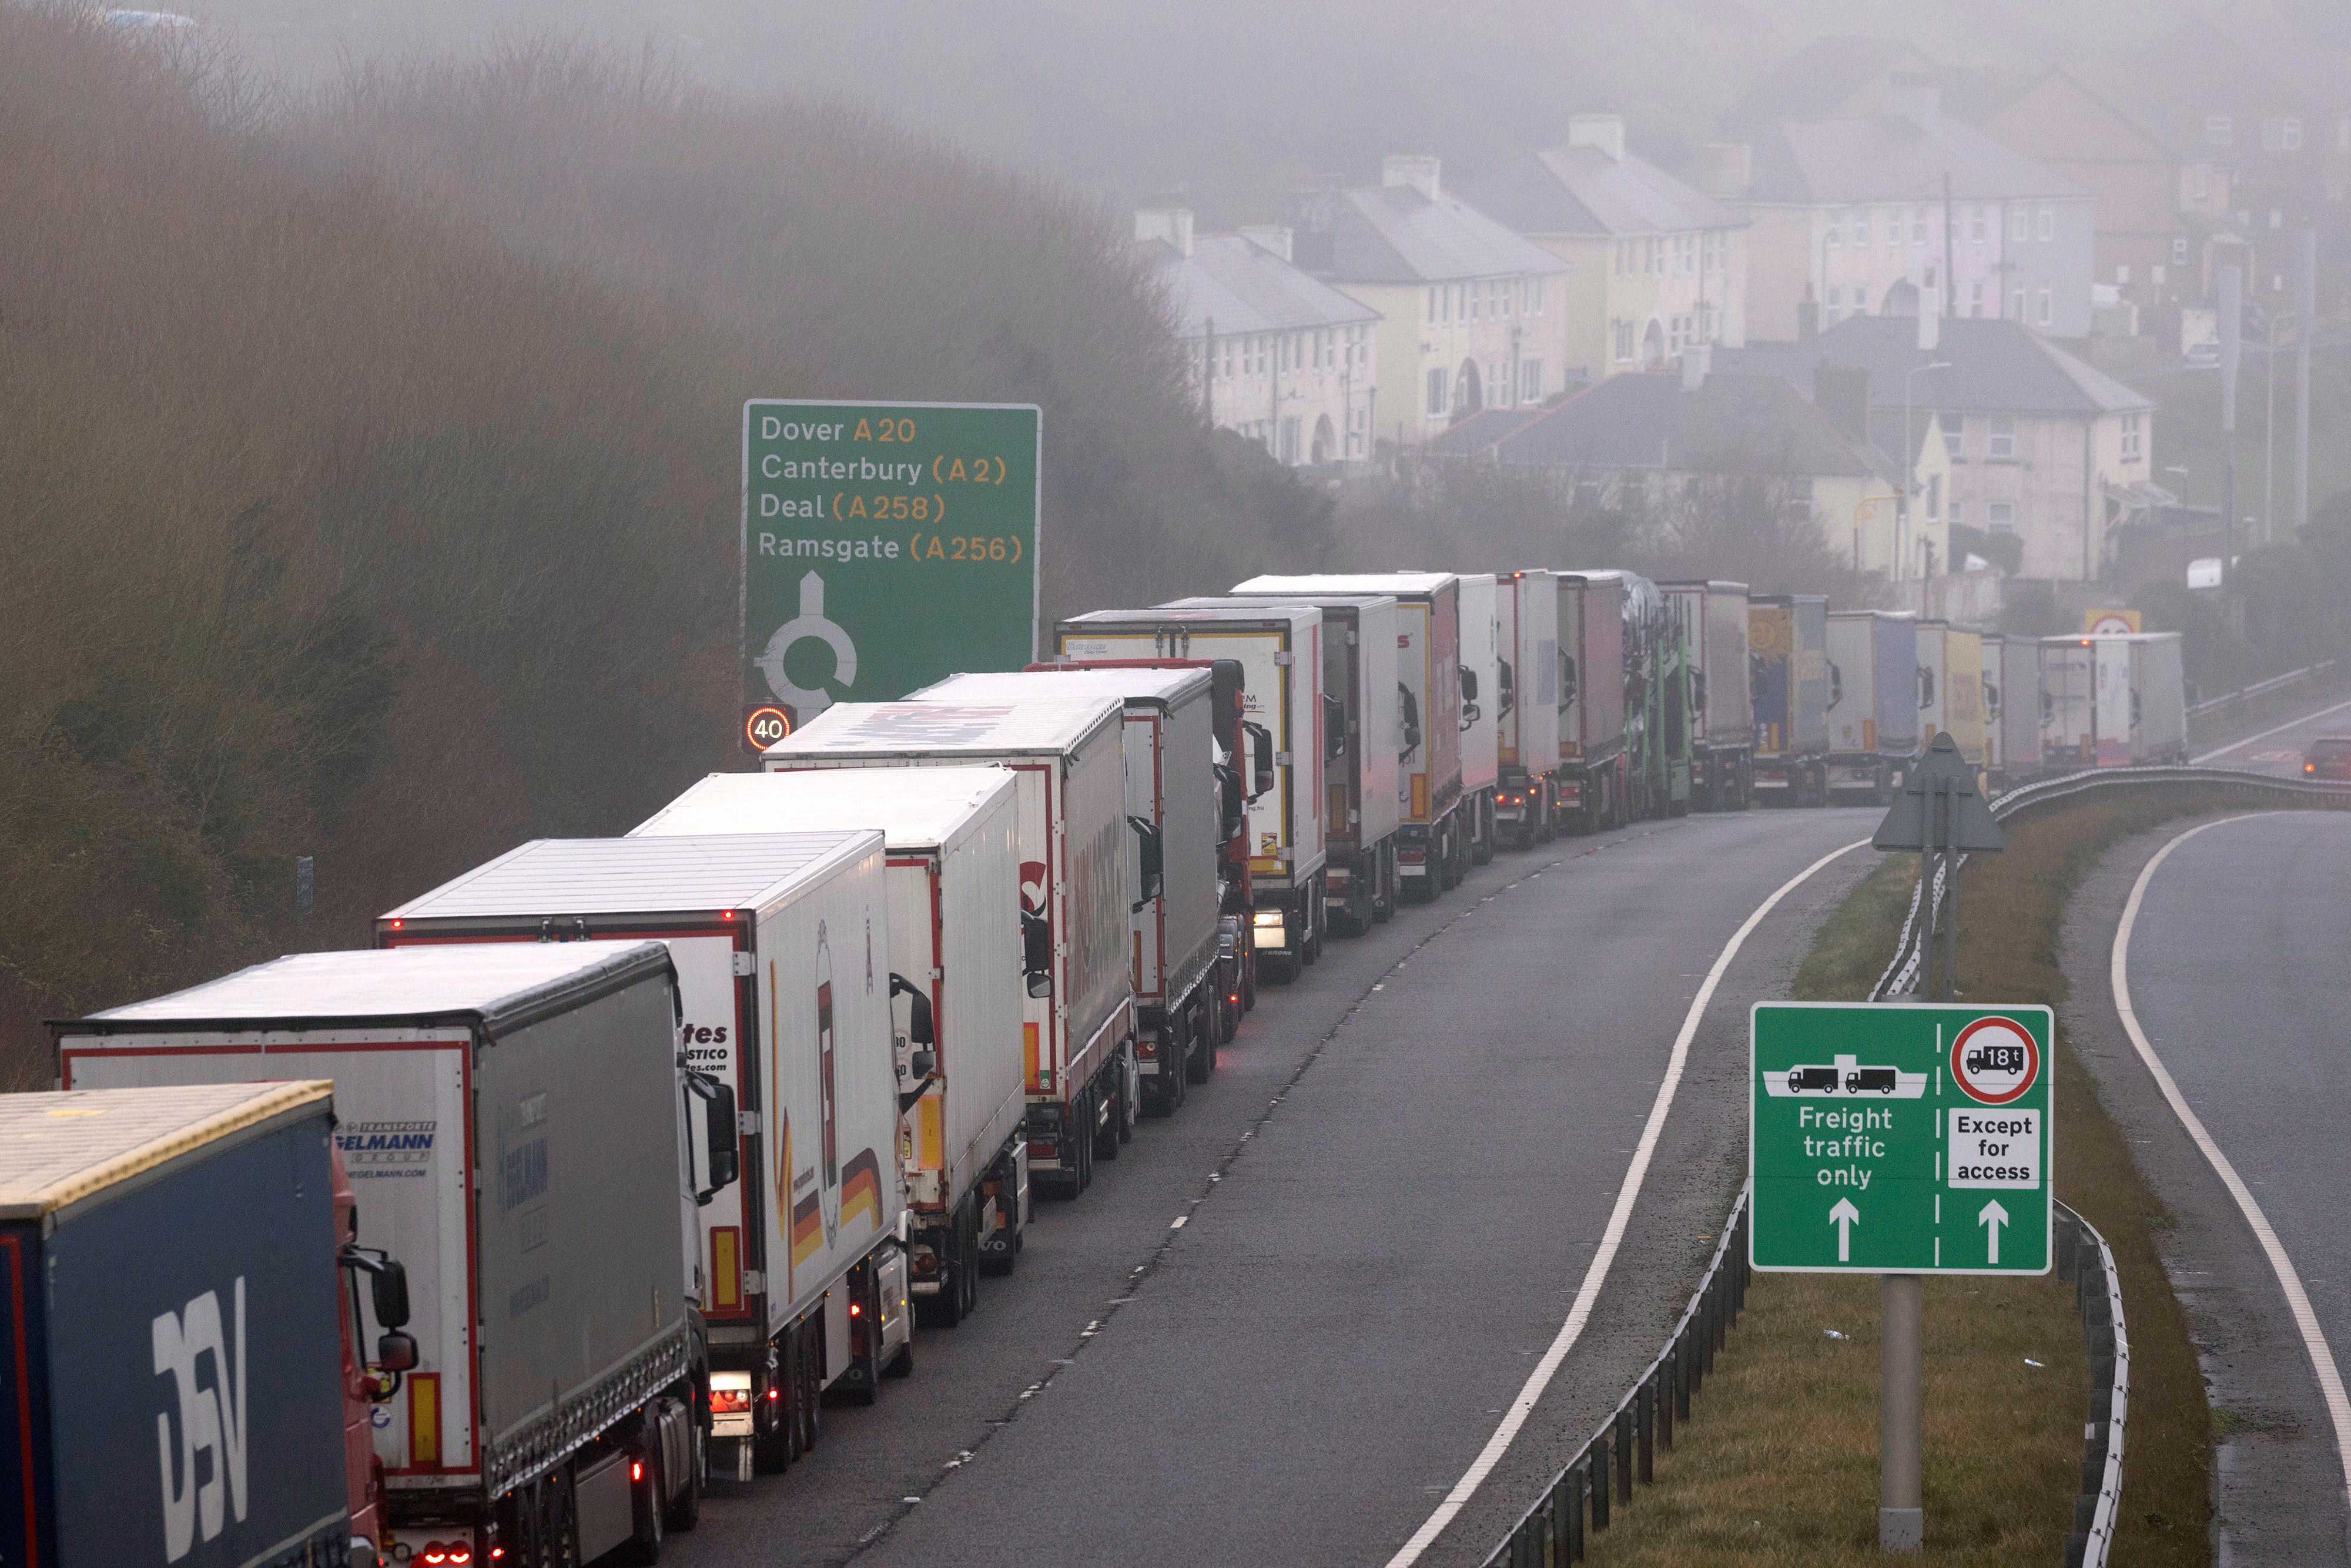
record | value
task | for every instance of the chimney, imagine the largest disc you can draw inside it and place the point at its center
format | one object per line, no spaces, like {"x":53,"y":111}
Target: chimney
{"x":1605,"y":132}
{"x":1726,"y":169}
{"x":1698,"y":361}
{"x":1842,"y":392}
{"x":1910,"y":96}
{"x":1417,"y":170}
{"x":1274,"y":238}
{"x":1173,"y":224}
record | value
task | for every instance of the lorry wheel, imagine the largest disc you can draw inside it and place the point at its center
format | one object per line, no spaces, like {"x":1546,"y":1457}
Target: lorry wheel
{"x":1107,"y":1141}
{"x":560,"y":1509}
{"x":645,"y":1545}
{"x":1384,"y":885}
{"x":812,"y":1360}
{"x":902,"y":1363}
{"x":685,"y":1510}
{"x":1249,"y":983}
{"x":1210,"y":1032}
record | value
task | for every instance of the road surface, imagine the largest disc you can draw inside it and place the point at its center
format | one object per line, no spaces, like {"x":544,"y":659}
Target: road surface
{"x":1388,"y":1197}
{"x":2237,"y":973}
{"x":2278,"y":748}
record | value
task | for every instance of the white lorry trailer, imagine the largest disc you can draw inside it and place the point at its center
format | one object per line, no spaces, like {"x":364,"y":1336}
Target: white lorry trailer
{"x":1481,"y":730}
{"x":1872,"y":702}
{"x":1713,"y":616}
{"x":2117,"y":701}
{"x":1595,"y":787}
{"x":516,"y":1119}
{"x":1280,"y":650}
{"x":1434,"y":841}
{"x":2019,"y":708}
{"x":777,"y":939}
{"x":952,"y":844}
{"x":1173,"y":805}
{"x":1076,"y":1028}
{"x":1526,"y":707}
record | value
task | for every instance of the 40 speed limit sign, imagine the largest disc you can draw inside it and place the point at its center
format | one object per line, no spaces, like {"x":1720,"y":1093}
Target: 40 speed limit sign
{"x":1900,"y":1139}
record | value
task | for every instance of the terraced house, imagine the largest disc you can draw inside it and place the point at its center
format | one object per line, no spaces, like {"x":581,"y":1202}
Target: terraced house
{"x":1277,"y":356}
{"x":1655,"y":266}
{"x":1469,"y":311}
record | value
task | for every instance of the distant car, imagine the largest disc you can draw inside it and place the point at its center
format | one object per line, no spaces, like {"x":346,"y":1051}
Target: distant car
{"x":2329,"y":757}
{"x":2201,"y":357}
{"x":1881,"y":1079}
{"x":1803,"y":1080}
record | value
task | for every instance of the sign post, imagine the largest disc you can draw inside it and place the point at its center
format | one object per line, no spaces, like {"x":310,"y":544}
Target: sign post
{"x":885,"y":546}
{"x":1900,"y":1141}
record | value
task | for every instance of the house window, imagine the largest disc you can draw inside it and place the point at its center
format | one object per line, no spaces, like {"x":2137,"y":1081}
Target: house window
{"x":1860,"y":299}
{"x":1531,"y":380}
{"x":1934,"y":496}
{"x":2154,"y":273}
{"x":1860,"y":230}
{"x":2048,"y":224}
{"x":1953,"y":426}
{"x":1436,"y":405}
{"x":1959,"y":513}
{"x":2046,"y":317}
{"x":2293,"y":135}
{"x":1835,"y":298}
{"x":2280,"y":135}
{"x":1836,"y":237}
{"x":2132,"y":436}
{"x":2202,"y":179}
{"x":1477,"y":292}
{"x":1623,"y":331}
{"x":2001,"y":517}
{"x":2019,"y":226}
{"x":1800,"y":497}
{"x":1917,"y":226}
{"x":1975,"y":225}
{"x":2016,"y":305}
{"x":2122,"y":275}
{"x":2003,"y":442}
{"x":2220,"y":130}
{"x":2179,"y":250}
{"x":1976,"y":299}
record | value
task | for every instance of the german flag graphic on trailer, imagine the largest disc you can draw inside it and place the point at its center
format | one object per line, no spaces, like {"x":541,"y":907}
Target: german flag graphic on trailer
{"x":860,"y":1188}
{"x":808,"y":1228}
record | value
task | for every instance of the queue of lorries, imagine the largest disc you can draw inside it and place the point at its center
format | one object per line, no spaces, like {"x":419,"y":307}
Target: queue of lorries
{"x":614,"y":1159}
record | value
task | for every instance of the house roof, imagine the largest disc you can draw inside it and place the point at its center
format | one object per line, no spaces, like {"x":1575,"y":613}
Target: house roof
{"x":1475,"y":434}
{"x":1582,"y":191}
{"x":1819,"y":79}
{"x":1244,"y":287}
{"x":1891,"y":157}
{"x":2122,"y":94}
{"x":1995,"y":367}
{"x":1394,"y":234}
{"x":1732,"y":423}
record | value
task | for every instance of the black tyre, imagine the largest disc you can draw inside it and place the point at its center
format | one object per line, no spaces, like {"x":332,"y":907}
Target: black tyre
{"x":1113,"y":1127}
{"x":561,"y":1509}
{"x":902,"y":1363}
{"x":685,"y":1510}
{"x":1384,"y":885}
{"x":1211,"y":1031}
{"x":644,"y":1546}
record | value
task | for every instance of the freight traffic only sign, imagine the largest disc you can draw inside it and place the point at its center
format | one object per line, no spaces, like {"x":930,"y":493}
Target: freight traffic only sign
{"x":885,"y":546}
{"x":1886,"y":1138}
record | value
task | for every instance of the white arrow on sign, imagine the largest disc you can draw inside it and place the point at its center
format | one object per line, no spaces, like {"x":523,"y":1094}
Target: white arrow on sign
{"x":1845,"y":1216}
{"x":1992,"y":1216}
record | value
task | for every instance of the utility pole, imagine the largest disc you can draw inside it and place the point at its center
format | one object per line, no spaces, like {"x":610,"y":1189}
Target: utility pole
{"x":2269,"y":426}
{"x":1950,"y":284}
{"x":1208,"y":382}
{"x":2305,"y":310}
{"x":2233,"y":331}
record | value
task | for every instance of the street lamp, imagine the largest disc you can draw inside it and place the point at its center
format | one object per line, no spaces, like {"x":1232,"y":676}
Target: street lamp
{"x":1909,"y":465}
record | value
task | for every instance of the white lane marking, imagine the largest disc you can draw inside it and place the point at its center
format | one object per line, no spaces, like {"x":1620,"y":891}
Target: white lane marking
{"x":1619,"y":1219}
{"x":2314,"y":1341}
{"x":2275,"y":729}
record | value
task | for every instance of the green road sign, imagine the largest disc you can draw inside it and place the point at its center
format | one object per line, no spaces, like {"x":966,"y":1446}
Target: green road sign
{"x":885,"y":546}
{"x":1893,"y":1139}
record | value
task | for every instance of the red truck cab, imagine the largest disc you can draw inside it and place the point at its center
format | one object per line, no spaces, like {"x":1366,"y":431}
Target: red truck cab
{"x":366,"y":1383}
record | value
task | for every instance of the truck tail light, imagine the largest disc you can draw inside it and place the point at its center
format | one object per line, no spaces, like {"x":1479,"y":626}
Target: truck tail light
{"x":636,"y":1469}
{"x":856,"y":1309}
{"x":459,"y":1552}
{"x":434,"y":1552}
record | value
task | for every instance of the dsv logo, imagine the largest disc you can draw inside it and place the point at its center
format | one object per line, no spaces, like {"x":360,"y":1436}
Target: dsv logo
{"x":211,"y":1420}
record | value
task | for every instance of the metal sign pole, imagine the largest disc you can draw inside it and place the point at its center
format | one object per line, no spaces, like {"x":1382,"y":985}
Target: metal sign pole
{"x":1901,"y":1506}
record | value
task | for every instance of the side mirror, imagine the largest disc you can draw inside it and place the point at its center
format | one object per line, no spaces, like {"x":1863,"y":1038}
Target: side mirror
{"x":1236,"y":808}
{"x":1037,"y":953}
{"x":1836,"y":684}
{"x":924,"y":1064}
{"x":1468,"y":686}
{"x":723,"y":1128}
{"x":1260,"y":758}
{"x":1334,"y":728}
{"x":389,"y":1286}
{"x":395,"y":1352}
{"x":922,"y":1029}
{"x":1408,"y":709}
{"x":1926,"y":689}
{"x":1567,"y":687}
{"x":1153,"y":858}
{"x":1506,"y":689}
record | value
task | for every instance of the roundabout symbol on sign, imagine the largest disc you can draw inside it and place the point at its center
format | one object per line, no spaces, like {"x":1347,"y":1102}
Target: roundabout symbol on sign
{"x":1995,"y":1060}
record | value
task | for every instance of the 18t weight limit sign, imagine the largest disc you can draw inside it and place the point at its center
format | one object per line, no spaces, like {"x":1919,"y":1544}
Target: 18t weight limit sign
{"x":1900,"y":1139}
{"x":885,"y":546}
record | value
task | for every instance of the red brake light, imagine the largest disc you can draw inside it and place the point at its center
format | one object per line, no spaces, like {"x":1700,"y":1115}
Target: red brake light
{"x":434,"y":1552}
{"x":856,"y":1309}
{"x":772,"y":1393}
{"x":729,"y":1401}
{"x":461,"y":1555}
{"x":636,"y":1469}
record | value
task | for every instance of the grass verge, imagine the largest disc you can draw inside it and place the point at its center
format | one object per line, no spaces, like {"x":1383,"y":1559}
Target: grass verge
{"x":1780,"y":1463}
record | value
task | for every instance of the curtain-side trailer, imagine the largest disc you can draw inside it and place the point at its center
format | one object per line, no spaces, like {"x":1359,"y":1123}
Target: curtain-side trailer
{"x":1434,"y":839}
{"x":1787,"y":637}
{"x":1526,"y":707}
{"x":774,"y":937}
{"x":1593,"y":789}
{"x":1872,"y":702}
{"x":1078,"y":1019}
{"x":516,"y":1119}
{"x":1656,"y":672}
{"x":180,"y":1229}
{"x":1713,"y":616}
{"x":1171,"y":803}
{"x":1481,"y":679}
{"x":1278,"y":648}
{"x":951,"y":842}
